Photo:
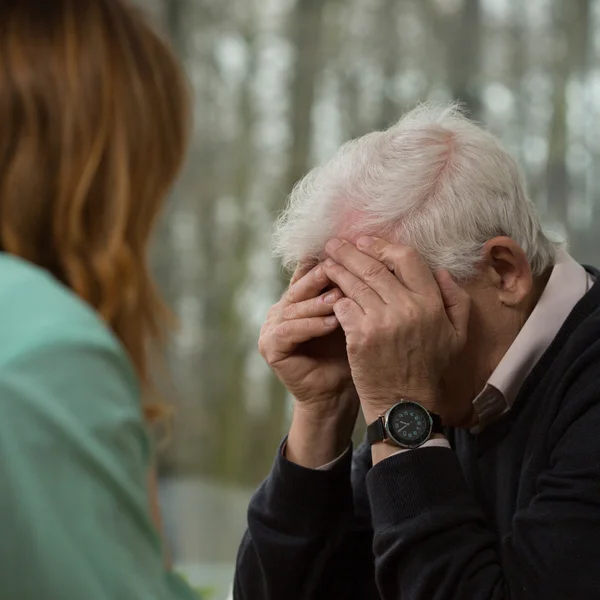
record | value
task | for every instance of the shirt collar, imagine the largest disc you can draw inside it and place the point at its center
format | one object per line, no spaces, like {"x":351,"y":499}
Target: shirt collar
{"x":567,"y":284}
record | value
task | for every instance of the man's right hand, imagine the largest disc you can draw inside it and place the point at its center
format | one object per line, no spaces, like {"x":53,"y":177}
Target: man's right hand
{"x":303,"y":344}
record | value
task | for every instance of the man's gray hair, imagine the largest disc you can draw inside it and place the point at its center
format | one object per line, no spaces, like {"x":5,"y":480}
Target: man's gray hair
{"x":435,"y":181}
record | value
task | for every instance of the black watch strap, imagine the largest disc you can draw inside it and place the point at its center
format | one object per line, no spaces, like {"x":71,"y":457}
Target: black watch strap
{"x":437,"y":423}
{"x":376,"y":430}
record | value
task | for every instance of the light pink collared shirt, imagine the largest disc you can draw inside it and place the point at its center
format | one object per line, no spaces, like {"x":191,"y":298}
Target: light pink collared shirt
{"x":568,"y":283}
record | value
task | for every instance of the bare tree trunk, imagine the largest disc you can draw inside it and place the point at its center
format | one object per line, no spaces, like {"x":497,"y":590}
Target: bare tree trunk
{"x":584,"y":184}
{"x":163,"y":254}
{"x":572,"y":23}
{"x":306,"y":33}
{"x":349,"y":88}
{"x":196,"y":444}
{"x":464,"y":62}
{"x":342,"y":59}
{"x":233,"y":450}
{"x":389,"y":56}
{"x":175,"y":19}
{"x":461,"y":36}
{"x":162,"y":250}
{"x":517,"y":39}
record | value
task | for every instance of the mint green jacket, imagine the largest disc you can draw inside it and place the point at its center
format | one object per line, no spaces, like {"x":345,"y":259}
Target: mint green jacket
{"x":74,"y":454}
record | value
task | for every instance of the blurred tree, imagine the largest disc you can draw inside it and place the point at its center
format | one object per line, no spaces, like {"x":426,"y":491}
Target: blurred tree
{"x":584,"y":243}
{"x":556,"y":170}
{"x":389,"y":58}
{"x":196,"y":364}
{"x":518,"y":68}
{"x":571,"y":54}
{"x":264,"y":72}
{"x":233,"y":345}
{"x":305,"y":27}
{"x":464,"y":56}
{"x":360,"y":62}
{"x":163,"y":253}
{"x":458,"y":30}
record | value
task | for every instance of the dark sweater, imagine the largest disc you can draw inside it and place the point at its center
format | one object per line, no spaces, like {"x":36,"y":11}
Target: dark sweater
{"x":513,"y":512}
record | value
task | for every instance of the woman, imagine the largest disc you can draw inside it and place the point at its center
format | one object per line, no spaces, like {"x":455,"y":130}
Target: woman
{"x":93,"y":114}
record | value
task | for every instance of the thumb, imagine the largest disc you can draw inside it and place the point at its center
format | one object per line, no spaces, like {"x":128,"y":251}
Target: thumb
{"x":456,"y":302}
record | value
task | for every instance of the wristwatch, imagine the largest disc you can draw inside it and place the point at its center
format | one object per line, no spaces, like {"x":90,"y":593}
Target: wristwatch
{"x":407,"y":425}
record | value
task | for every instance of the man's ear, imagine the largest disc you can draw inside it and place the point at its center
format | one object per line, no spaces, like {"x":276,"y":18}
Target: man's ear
{"x":508,"y":270}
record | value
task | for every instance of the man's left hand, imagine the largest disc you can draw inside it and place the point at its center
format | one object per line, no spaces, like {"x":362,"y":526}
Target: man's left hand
{"x":403,"y":324}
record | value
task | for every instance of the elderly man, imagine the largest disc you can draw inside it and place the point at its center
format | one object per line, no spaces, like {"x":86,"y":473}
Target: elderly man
{"x":427,"y":295}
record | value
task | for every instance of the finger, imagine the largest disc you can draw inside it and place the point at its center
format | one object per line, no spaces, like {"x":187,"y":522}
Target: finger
{"x":315,"y":307}
{"x":353,"y":287}
{"x":301,"y":270}
{"x":308,"y":286}
{"x":348,"y":314}
{"x":372,"y":271}
{"x":456,"y":302}
{"x":406,"y":263}
{"x":291,"y":333}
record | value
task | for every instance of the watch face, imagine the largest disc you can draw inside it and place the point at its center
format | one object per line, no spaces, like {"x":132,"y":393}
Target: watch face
{"x":409,"y":424}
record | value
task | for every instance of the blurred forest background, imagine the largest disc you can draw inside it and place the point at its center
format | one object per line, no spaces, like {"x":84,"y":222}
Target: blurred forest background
{"x":279,"y":84}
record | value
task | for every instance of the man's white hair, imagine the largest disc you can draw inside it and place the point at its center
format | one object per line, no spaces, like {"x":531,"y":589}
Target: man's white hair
{"x":435,"y":181}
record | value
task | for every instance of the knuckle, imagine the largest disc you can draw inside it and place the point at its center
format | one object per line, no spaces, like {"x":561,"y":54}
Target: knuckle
{"x":358,"y":290}
{"x":370,"y":336}
{"x":298,"y":273}
{"x":338,"y":294}
{"x":411,"y":312}
{"x":274,"y":311}
{"x":269,"y":358}
{"x":374,"y":271}
{"x":264,"y":330}
{"x":314,"y":305}
{"x":407,"y":253}
{"x":284,"y":329}
{"x":343,"y":308}
{"x":332,"y":267}
{"x":263,"y":346}
{"x":388,"y":323}
{"x":262,"y":334}
{"x":353,"y":344}
{"x":292,"y":293}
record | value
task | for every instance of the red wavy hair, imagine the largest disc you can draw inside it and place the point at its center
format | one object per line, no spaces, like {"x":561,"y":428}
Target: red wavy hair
{"x":94,"y":115}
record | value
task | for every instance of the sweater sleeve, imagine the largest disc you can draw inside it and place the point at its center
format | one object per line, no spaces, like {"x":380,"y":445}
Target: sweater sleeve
{"x":307,"y":537}
{"x":432,"y":541}
{"x":74,"y":458}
